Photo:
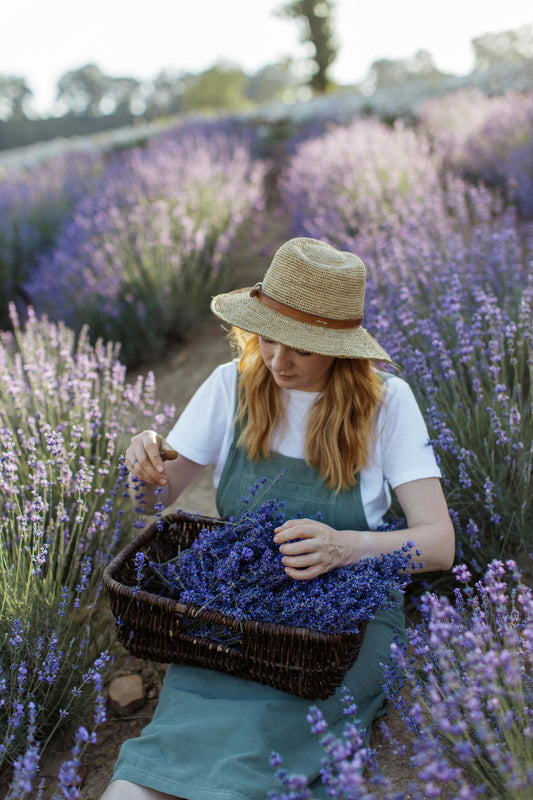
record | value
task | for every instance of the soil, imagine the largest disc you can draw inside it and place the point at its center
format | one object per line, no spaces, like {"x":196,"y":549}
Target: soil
{"x":177,"y":376}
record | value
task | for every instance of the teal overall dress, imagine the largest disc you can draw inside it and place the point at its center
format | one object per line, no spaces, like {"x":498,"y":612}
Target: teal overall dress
{"x":212,"y":734}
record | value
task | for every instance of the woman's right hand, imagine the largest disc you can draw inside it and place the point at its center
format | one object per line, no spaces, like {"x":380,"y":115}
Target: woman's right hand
{"x":146,"y":455}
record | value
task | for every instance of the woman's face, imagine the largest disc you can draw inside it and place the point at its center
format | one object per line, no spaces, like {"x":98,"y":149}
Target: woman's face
{"x":295,"y":369}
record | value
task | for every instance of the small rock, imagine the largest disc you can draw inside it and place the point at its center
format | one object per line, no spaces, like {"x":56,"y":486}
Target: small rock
{"x":126,"y":694}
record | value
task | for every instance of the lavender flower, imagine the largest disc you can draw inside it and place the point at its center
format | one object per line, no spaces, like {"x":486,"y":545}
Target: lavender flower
{"x":466,"y":692}
{"x":464,"y":689}
{"x":349,"y":770}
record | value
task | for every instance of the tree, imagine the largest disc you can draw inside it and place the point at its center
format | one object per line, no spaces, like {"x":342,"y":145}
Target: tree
{"x":511,"y":47}
{"x":273,"y":82}
{"x":318,"y":30}
{"x":121,"y":94}
{"x":164,"y":96}
{"x":87,"y":91}
{"x":14,"y":96}
{"x":82,"y":90}
{"x":221,"y":87}
{"x":388,"y":72}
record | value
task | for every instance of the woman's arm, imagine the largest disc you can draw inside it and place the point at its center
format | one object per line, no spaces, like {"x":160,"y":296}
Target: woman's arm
{"x":321,"y":548}
{"x":150,"y":458}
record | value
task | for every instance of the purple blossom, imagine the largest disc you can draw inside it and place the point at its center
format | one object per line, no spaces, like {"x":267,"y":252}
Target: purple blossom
{"x":26,"y":766}
{"x":349,"y":770}
{"x":462,"y":573}
{"x":469,"y":685}
{"x":33,"y":204}
{"x":464,"y":689}
{"x":16,"y":634}
{"x":140,"y":562}
{"x":69,"y":780}
{"x":68,"y":407}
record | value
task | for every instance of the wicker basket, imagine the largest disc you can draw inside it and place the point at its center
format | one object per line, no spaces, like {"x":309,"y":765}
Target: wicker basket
{"x":297,"y":660}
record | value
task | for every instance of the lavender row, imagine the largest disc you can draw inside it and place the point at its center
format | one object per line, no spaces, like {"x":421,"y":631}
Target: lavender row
{"x":450,"y":297}
{"x":151,"y":238}
{"x":34,"y":203}
{"x":464,"y":690}
{"x":66,"y":412}
{"x":139,"y":259}
{"x":486,"y":139}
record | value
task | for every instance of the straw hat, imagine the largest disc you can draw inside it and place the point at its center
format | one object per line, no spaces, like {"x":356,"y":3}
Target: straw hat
{"x":311,"y":298}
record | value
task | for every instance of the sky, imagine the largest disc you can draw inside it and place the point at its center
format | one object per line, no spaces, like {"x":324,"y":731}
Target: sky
{"x":40,"y":40}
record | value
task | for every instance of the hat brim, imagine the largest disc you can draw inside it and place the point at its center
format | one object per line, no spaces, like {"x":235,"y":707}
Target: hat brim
{"x":245,"y":312}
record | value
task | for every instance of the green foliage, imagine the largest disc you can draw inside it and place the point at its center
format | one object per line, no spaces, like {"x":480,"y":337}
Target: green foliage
{"x":14,"y":96}
{"x":88,"y":91}
{"x":220,"y":88}
{"x":493,"y":49}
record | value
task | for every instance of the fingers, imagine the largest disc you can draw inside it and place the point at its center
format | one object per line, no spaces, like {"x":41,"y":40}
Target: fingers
{"x":299,"y":547}
{"x":295,"y":529}
{"x":308,"y":548}
{"x":302,"y":561}
{"x":302,"y":558}
{"x":145,"y":456}
{"x":305,"y":565}
{"x":305,"y":574}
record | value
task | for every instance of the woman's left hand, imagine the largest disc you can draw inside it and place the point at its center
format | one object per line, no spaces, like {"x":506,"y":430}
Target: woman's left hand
{"x":319,"y":548}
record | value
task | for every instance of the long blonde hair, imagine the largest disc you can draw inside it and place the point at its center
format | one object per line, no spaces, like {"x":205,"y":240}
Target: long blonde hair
{"x":340,"y":430}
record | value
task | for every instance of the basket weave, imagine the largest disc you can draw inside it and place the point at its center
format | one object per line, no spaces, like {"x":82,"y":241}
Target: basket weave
{"x":303,"y":662}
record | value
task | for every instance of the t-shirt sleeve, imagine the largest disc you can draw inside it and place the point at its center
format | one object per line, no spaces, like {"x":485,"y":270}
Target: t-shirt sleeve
{"x":203,"y":425}
{"x":403,"y":437}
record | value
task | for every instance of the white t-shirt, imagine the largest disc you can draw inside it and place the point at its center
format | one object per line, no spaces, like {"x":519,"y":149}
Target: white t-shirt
{"x":204,"y":432}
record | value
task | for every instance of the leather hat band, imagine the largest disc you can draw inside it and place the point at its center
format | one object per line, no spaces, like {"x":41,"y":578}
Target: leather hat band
{"x":302,"y":316}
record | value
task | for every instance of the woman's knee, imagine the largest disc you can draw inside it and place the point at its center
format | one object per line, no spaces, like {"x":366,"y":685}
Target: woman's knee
{"x":126,"y":790}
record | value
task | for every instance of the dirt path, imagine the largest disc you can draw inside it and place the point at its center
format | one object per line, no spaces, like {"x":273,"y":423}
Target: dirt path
{"x":177,"y":377}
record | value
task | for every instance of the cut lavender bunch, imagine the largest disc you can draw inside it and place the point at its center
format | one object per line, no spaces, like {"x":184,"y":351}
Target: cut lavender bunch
{"x":236,"y":569}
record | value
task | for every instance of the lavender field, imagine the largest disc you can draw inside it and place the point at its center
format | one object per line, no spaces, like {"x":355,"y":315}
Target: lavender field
{"x":105,"y":259}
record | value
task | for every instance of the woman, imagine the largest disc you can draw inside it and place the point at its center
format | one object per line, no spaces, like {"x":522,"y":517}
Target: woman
{"x":304,"y":396}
